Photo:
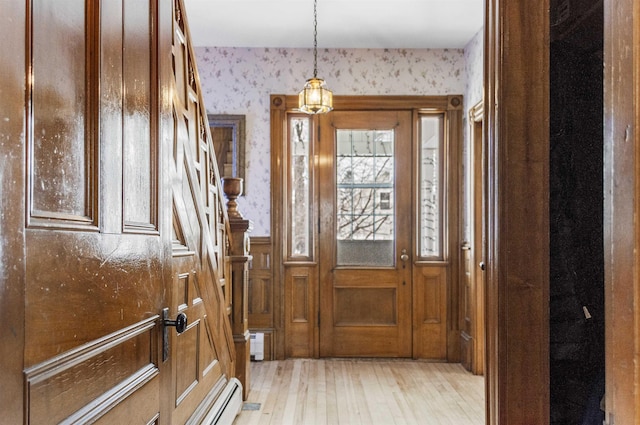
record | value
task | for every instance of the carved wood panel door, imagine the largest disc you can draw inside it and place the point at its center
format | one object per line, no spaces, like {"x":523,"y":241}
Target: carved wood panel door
{"x":95,"y":257}
{"x":123,"y":219}
{"x":365,"y":234}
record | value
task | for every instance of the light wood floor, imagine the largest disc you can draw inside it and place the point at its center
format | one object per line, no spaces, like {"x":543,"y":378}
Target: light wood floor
{"x":362,"y":391}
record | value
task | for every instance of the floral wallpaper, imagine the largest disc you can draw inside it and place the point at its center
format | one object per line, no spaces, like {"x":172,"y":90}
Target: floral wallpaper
{"x":240,"y":81}
{"x":474,"y":70}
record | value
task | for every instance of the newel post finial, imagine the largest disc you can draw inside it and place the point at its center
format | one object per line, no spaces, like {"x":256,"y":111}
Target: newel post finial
{"x":232,"y":188}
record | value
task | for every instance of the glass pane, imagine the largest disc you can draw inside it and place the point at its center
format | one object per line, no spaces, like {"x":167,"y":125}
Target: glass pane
{"x":365,"y":197}
{"x":299,"y":148}
{"x":431,"y":142}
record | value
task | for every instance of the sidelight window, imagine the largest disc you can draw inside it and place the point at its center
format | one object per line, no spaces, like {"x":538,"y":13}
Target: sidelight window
{"x":300,"y":183}
{"x":431,"y":178}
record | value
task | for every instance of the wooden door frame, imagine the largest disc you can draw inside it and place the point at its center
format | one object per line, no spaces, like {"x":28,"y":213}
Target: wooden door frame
{"x":517,"y":132}
{"x":477,"y":149}
{"x":516,"y":102}
{"x":621,"y":205}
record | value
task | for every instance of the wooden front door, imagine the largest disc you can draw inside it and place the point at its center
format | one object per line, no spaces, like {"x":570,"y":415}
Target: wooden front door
{"x":365,"y":234}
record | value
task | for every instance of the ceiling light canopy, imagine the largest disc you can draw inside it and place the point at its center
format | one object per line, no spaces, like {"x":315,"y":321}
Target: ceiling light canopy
{"x":315,"y":97}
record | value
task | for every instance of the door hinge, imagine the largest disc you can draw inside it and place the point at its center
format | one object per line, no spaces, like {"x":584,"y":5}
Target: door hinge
{"x":318,"y":225}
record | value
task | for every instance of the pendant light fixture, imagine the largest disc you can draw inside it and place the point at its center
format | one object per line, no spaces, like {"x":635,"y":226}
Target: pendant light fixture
{"x":315,"y":97}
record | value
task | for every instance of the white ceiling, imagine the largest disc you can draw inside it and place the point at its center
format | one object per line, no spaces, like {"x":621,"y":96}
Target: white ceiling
{"x":341,"y":23}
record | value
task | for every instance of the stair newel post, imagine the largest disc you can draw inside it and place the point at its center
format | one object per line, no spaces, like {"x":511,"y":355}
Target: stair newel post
{"x":239,"y":257}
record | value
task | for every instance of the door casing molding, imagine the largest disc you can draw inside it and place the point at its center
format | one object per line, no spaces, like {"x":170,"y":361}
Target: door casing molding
{"x":516,"y":105}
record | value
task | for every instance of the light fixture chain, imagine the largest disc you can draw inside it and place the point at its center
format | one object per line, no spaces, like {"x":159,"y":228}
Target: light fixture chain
{"x":315,"y":38}
{"x":315,"y":97}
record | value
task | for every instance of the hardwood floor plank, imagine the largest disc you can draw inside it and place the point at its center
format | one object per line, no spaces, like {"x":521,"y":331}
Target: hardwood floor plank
{"x":403,"y":414}
{"x":276,"y":401}
{"x":345,"y":398}
{"x":332,"y":394}
{"x":317,"y":413}
{"x":363,"y":391}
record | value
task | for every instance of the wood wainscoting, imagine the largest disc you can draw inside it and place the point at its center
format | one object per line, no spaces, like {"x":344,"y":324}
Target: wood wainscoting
{"x":261,"y":294}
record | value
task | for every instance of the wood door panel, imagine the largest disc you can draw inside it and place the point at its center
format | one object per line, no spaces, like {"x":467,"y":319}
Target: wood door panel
{"x":79,"y":289}
{"x":208,"y":356}
{"x":194,"y":354}
{"x":186,"y":360}
{"x":142,"y":409}
{"x":430,"y":315}
{"x":87,"y":381}
{"x":61,"y":157}
{"x":194,"y":350}
{"x":259,"y":299}
{"x":139,"y":141}
{"x":432,"y":290}
{"x":298,"y":289}
{"x":365,"y":306}
{"x":260,"y":284}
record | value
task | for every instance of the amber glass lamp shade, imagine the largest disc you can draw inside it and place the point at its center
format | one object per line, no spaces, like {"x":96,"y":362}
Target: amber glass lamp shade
{"x":315,"y":97}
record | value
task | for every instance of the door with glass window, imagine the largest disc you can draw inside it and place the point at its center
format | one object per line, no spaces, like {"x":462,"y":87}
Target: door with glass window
{"x":365,"y":234}
{"x":367,"y":196}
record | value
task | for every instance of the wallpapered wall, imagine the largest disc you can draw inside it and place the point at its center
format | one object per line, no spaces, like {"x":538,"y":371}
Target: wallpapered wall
{"x":474,"y":67}
{"x":240,"y":81}
{"x":474,"y":61}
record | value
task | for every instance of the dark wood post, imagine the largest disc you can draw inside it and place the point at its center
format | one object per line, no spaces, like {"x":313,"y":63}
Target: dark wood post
{"x":239,"y":257}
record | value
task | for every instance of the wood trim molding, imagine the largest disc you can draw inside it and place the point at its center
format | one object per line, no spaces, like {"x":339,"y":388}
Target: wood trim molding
{"x":278,"y":111}
{"x":517,"y":133}
{"x":119,"y":380}
{"x":12,"y":211}
{"x":473,"y":249}
{"x":476,"y":113}
{"x":621,"y":192}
